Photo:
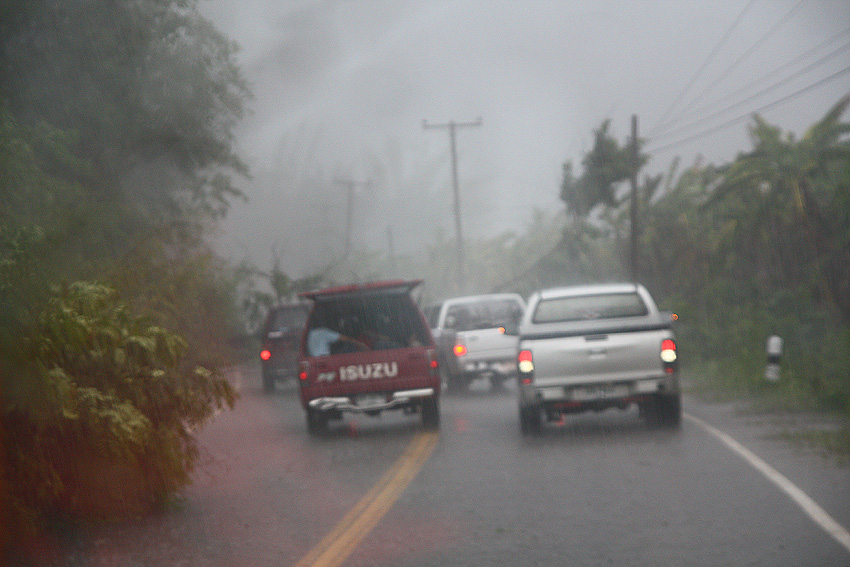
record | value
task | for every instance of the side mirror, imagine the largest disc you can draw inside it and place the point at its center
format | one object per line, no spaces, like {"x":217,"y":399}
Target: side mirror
{"x":512,"y":328}
{"x":668,"y":317}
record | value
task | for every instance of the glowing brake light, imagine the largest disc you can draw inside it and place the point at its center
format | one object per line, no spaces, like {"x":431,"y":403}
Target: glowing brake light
{"x":459,"y":349}
{"x":668,"y":351}
{"x":433,"y":363}
{"x":265,"y":354}
{"x":524,"y":362}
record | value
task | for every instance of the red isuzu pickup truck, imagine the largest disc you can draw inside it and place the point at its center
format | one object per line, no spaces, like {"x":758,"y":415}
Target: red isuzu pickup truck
{"x":367,"y":348}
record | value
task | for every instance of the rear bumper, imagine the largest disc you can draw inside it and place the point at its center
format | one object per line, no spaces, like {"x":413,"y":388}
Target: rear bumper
{"x":500,"y":366}
{"x":596,"y":394}
{"x":395,"y":400}
{"x":280,"y":371}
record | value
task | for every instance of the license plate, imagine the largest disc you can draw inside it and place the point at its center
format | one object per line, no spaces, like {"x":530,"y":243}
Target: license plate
{"x":499,"y":367}
{"x":551,"y":393}
{"x":505,"y":367}
{"x":371,"y":400}
{"x":600,"y":392}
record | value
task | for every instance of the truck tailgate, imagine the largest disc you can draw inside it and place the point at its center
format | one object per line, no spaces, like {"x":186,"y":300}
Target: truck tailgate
{"x":608,"y":357}
{"x":371,"y":371}
{"x":488,"y":344}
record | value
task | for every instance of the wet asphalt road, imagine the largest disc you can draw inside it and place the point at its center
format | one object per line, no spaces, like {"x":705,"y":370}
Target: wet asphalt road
{"x":598,"y":489}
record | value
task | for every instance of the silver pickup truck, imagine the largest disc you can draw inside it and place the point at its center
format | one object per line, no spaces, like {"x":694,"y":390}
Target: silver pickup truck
{"x":593,"y":348}
{"x":471,"y":337}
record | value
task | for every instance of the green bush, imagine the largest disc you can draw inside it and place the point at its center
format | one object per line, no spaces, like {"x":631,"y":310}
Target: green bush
{"x":723,"y":337}
{"x":101,"y":418}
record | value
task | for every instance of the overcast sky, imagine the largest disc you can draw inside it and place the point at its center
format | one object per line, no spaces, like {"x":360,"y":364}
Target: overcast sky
{"x":342,"y":88}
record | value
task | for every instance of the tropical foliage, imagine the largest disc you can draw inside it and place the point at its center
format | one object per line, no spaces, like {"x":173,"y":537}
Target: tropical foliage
{"x":741,"y":251}
{"x":116,"y":161}
{"x":99,"y":390}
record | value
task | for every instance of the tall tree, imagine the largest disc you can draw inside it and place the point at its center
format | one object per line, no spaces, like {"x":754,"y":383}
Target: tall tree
{"x":794,"y":193}
{"x":116,"y":155}
{"x":150,"y":87}
{"x":125,"y":111}
{"x":607,"y":164}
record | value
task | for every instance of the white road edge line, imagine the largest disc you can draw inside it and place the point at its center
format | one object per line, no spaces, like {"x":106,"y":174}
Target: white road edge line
{"x":809,"y":506}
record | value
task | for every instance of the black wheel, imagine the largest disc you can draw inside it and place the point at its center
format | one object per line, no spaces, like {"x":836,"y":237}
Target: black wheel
{"x":669,"y":410}
{"x":529,"y":419}
{"x":497,"y":383}
{"x":458,"y":383}
{"x":317,"y":422}
{"x":663,"y":410}
{"x":431,"y":413}
{"x":268,"y":383}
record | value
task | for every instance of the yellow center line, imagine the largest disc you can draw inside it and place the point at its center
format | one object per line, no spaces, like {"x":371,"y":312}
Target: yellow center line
{"x":341,"y":542}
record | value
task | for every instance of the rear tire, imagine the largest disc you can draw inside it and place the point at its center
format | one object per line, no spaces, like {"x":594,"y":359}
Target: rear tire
{"x":664,"y":410}
{"x":268,"y":383}
{"x":458,"y":383}
{"x":317,"y":422}
{"x":670,"y":410}
{"x":431,"y":413}
{"x":529,"y":419}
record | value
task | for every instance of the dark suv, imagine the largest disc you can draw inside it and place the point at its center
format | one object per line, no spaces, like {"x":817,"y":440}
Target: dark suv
{"x":281,"y":341}
{"x":367,"y":349}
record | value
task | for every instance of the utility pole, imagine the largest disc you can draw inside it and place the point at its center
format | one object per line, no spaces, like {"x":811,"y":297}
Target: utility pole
{"x":391,"y":251}
{"x":351,"y":185}
{"x":634,"y":208}
{"x":452,"y":127}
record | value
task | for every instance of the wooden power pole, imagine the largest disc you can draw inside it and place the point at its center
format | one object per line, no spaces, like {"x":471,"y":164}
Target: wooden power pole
{"x":452,"y":127}
{"x":634,"y":207}
{"x":351,"y":185}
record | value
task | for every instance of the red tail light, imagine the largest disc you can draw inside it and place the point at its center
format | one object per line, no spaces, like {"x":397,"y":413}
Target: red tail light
{"x":265,"y":354}
{"x":434,"y":363}
{"x":525,"y":363}
{"x":460,"y":349}
{"x":669,"y":355}
{"x":304,"y":371}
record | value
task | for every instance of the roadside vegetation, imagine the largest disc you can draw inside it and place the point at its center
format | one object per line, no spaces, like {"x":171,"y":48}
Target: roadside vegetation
{"x":742,"y":251}
{"x":116,"y":161}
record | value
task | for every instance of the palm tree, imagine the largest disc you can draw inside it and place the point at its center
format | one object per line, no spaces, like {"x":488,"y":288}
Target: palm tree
{"x":800,"y":186}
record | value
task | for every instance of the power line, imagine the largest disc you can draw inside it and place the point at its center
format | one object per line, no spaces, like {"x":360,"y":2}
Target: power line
{"x":737,"y":62}
{"x":711,"y":55}
{"x":745,"y":116}
{"x":758,"y":94}
{"x":773,"y":73}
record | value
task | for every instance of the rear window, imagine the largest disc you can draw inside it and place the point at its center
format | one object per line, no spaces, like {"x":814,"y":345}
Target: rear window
{"x":380,"y":320}
{"x":287,"y":318}
{"x":483,"y":314}
{"x":586,"y":307}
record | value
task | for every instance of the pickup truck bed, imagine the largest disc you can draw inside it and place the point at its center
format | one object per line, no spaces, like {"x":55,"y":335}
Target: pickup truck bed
{"x":593,"y":348}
